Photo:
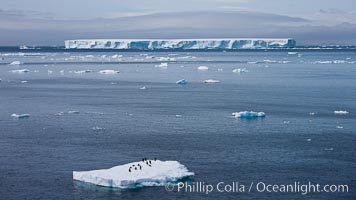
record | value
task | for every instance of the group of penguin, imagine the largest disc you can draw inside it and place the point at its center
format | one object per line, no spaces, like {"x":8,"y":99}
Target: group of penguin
{"x":138,"y":166}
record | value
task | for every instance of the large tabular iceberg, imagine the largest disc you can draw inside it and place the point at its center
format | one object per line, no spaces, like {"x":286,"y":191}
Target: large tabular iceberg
{"x":155,"y":173}
{"x":152,"y":44}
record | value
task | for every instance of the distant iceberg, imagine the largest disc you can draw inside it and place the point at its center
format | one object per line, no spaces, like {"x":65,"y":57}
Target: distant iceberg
{"x":248,"y":114}
{"x":20,"y":116}
{"x":341,"y":112}
{"x":20,"y":71}
{"x":182,"y":82}
{"x":152,"y":44}
{"x":136,"y":174}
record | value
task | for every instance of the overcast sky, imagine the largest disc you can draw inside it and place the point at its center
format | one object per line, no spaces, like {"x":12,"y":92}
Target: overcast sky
{"x":49,"y":22}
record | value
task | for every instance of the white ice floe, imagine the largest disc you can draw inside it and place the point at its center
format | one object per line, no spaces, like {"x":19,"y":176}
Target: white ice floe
{"x":182,"y":82}
{"x":109,"y":71}
{"x":211,"y":81}
{"x":136,"y":174}
{"x":83,"y":71}
{"x":203,"y":68}
{"x":20,"y":71}
{"x":165,"y":59}
{"x":73,"y":112}
{"x":20,"y":116}
{"x":339,"y":127}
{"x":341,"y":112}
{"x":97,"y":128}
{"x":24,"y":82}
{"x":292,"y":53}
{"x":143,"y":88}
{"x":15,"y":63}
{"x":248,"y":114}
{"x":240,"y":70}
{"x":116,"y":56}
{"x":162,"y":65}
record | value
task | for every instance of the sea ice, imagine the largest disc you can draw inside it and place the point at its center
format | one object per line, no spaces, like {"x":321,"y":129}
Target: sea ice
{"x":83,"y":71}
{"x":341,"y":112}
{"x":109,"y":71}
{"x":73,"y":112}
{"x":20,"y":71}
{"x":15,"y":63}
{"x":20,"y":116}
{"x":211,"y":81}
{"x":162,"y":65}
{"x":203,"y":68}
{"x":248,"y":114}
{"x":182,"y":82}
{"x":143,"y":88}
{"x":239,"y":71}
{"x":136,"y":174}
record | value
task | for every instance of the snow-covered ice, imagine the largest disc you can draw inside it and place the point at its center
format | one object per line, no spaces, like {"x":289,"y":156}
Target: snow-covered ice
{"x":141,"y":174}
{"x":203,"y":68}
{"x":216,"y":43}
{"x":211,"y":81}
{"x":341,"y":112}
{"x":20,"y":116}
{"x":182,"y":82}
{"x":20,"y":71}
{"x":248,"y":114}
{"x":109,"y":71}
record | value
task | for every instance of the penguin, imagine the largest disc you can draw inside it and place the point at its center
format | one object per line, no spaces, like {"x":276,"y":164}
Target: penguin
{"x":155,"y":159}
{"x":140,"y":167}
{"x":135,"y":168}
{"x":130,"y":170}
{"x":149,"y":161}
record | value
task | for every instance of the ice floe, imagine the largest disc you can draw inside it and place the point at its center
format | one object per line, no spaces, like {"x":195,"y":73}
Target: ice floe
{"x":136,"y":174}
{"x":20,"y":71}
{"x":341,"y":112}
{"x":240,"y":70}
{"x":143,"y":88}
{"x":203,"y":68}
{"x":20,"y":116}
{"x":97,"y":128}
{"x":292,"y":53}
{"x":73,"y":112}
{"x":162,"y":65}
{"x":83,"y":71}
{"x":109,"y":71}
{"x":182,"y":81}
{"x":211,"y":81}
{"x":15,"y":63}
{"x":248,"y":114}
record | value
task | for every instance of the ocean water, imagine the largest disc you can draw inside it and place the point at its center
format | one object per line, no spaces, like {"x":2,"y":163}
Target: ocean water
{"x":39,"y":153}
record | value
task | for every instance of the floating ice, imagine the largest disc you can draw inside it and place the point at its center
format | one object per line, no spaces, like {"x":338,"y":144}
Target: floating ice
{"x":20,"y":116}
{"x":83,"y":71}
{"x":182,"y":82}
{"x":203,"y":68}
{"x":15,"y":63}
{"x":97,"y":128}
{"x":341,"y":112}
{"x":162,"y":65}
{"x":165,"y":59}
{"x":248,"y":114}
{"x":141,"y":174}
{"x":109,"y":71}
{"x":73,"y":112}
{"x":217,"y":43}
{"x":239,"y":71}
{"x":116,"y":56}
{"x":20,"y":71}
{"x":211,"y":81}
{"x":292,"y":53}
{"x":24,"y":82}
{"x":339,"y":127}
{"x":143,"y":88}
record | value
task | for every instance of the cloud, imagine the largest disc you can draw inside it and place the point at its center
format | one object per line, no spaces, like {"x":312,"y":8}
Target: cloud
{"x":17,"y":28}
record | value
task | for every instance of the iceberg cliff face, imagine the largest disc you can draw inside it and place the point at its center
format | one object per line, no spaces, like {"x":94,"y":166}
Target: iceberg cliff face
{"x":152,"y":44}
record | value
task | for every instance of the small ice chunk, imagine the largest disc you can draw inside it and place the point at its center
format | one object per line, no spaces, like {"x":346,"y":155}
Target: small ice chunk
{"x":143,"y":88}
{"x":23,"y":82}
{"x":292,"y":53}
{"x":248,"y":114}
{"x":109,"y":71}
{"x":116,"y":56}
{"x":83,"y":71}
{"x":341,"y":112}
{"x":136,"y":174}
{"x":162,"y":65}
{"x":182,"y":82}
{"x":73,"y":112}
{"x":203,"y":68}
{"x":328,"y":149}
{"x":220,"y":70}
{"x":312,"y":113}
{"x":339,"y":127}
{"x":97,"y":128}
{"x":309,"y":139}
{"x":178,"y":116}
{"x":20,"y":71}
{"x":15,"y":63}
{"x":50,"y":71}
{"x":211,"y":81}
{"x":239,"y":71}
{"x":20,"y":116}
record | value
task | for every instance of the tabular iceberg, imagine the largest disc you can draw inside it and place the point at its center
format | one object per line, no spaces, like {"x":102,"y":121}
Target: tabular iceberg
{"x":136,"y":174}
{"x":152,"y":44}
